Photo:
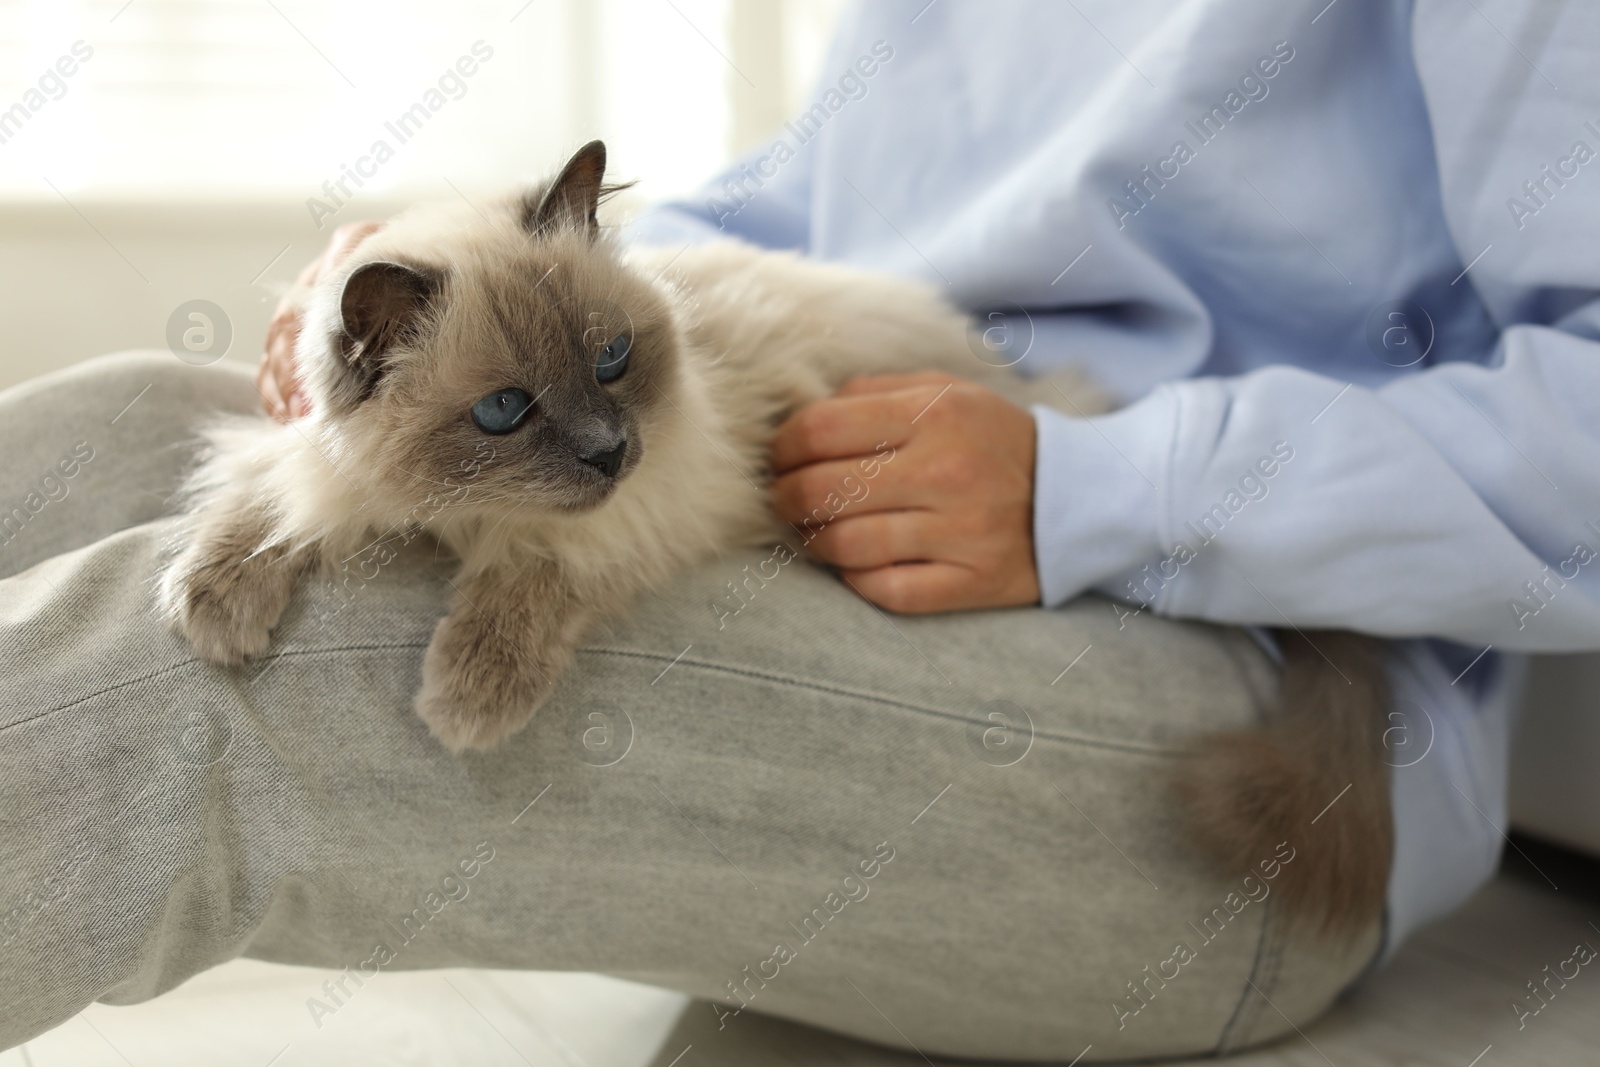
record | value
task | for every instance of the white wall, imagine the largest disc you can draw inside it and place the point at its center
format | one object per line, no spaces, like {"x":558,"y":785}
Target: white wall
{"x":188,"y":157}
{"x":77,"y":285}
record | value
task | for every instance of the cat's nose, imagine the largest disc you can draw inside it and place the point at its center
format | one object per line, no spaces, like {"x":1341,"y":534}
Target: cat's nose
{"x":608,"y":461}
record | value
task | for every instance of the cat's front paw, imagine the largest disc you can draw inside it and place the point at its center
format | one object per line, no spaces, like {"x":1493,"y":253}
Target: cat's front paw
{"x":478,"y":688}
{"x":225,"y":605}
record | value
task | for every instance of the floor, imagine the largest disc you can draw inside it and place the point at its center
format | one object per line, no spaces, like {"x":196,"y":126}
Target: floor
{"x":1446,"y":1001}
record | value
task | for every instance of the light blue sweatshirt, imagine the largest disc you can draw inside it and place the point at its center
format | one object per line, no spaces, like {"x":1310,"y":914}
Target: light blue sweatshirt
{"x":1339,"y":260}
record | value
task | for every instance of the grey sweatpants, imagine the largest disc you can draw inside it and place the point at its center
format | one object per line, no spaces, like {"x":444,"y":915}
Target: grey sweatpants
{"x":946,"y":833}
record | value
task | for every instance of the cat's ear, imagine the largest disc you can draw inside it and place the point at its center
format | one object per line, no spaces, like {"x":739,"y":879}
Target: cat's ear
{"x":573,"y":198}
{"x":382,"y":304}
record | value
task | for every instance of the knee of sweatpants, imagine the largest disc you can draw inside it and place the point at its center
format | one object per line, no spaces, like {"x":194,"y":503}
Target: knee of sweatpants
{"x":178,"y":801}
{"x":124,"y":375}
{"x":115,"y":737}
{"x":169,"y":383}
{"x":141,"y":404}
{"x":103,"y":445}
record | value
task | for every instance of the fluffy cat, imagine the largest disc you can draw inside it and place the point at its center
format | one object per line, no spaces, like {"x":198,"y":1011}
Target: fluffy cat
{"x":588,"y":420}
{"x":605,"y":413}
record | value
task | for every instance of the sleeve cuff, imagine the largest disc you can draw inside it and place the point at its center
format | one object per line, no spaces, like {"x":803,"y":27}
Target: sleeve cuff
{"x":1098,"y":509}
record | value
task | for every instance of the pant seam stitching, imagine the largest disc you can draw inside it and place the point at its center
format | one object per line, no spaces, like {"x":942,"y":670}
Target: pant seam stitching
{"x":1132,"y":747}
{"x":190,"y":662}
{"x":1136,"y":747}
{"x":1226,"y":1042}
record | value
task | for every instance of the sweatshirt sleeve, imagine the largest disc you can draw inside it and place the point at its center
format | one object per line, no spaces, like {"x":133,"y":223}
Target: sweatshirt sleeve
{"x":763,"y":198}
{"x":1456,"y":503}
{"x":1460,"y":501}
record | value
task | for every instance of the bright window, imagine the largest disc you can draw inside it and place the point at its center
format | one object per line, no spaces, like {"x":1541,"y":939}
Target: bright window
{"x":204,"y":100}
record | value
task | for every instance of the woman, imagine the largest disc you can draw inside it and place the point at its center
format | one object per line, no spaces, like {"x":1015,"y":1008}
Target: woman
{"x":1352,"y":238}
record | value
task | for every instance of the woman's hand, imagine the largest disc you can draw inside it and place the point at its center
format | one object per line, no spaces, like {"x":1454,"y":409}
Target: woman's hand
{"x":918,"y":487}
{"x":275,"y":378}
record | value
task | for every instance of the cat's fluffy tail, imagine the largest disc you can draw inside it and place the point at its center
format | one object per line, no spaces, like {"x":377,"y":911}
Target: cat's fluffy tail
{"x":1313,"y":776}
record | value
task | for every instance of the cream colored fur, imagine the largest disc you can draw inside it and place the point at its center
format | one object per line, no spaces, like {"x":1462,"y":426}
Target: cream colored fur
{"x":745,"y":338}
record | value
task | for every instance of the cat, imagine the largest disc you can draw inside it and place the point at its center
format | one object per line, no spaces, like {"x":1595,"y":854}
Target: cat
{"x":606,"y":411}
{"x":589,"y":419}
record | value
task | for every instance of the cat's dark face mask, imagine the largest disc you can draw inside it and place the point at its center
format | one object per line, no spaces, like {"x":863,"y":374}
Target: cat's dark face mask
{"x":539,"y":364}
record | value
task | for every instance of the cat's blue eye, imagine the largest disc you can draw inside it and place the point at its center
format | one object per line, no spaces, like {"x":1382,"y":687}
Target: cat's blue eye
{"x":613,"y":359}
{"x":503,"y":411}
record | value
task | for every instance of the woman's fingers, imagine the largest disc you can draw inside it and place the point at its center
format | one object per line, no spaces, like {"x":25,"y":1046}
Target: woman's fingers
{"x":267,"y":385}
{"x":940,"y":521}
{"x":275,"y":377}
{"x":915,"y":588}
{"x":864,"y":542}
{"x":839,"y":428}
{"x":819,"y":493}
